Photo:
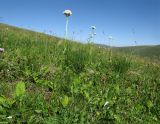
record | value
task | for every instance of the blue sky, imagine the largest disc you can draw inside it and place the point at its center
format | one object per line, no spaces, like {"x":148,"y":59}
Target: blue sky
{"x":125,"y":20}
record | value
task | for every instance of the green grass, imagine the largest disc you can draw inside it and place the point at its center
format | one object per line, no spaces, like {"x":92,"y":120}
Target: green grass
{"x":44,"y":79}
{"x":148,"y":52}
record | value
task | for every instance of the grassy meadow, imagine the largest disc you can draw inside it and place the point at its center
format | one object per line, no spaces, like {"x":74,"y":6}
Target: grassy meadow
{"x":151,"y":52}
{"x":48,"y":80}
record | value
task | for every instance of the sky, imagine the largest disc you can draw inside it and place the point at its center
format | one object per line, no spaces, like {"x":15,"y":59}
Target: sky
{"x":125,"y":20}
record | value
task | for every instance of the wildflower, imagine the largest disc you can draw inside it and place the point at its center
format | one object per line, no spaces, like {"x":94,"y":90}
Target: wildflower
{"x":1,"y":49}
{"x":93,"y":33}
{"x":67,"y":13}
{"x":9,"y":117}
{"x":93,"y":27}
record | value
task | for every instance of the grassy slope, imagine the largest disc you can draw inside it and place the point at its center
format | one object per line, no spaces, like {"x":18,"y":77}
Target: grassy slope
{"x":152,"y":52}
{"x":68,"y":82}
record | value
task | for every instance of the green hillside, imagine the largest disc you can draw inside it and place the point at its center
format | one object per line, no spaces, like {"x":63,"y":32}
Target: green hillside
{"x":152,"y":52}
{"x":47,"y":80}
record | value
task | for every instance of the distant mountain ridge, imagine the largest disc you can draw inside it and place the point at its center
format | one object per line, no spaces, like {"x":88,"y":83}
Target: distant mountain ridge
{"x":149,"y":51}
{"x":152,"y":51}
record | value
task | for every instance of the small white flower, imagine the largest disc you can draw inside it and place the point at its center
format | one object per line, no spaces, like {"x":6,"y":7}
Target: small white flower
{"x":93,"y":27}
{"x":1,"y":49}
{"x":9,"y":117}
{"x":106,"y":103}
{"x":67,"y":13}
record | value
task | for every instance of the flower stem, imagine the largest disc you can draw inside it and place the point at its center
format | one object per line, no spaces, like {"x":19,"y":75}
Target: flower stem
{"x":66,"y":28}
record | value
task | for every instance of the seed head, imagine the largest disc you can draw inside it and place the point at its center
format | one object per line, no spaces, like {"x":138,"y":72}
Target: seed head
{"x":67,"y":13}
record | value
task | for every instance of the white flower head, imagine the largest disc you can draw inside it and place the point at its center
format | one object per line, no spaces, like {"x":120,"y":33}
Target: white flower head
{"x":106,"y":103}
{"x":110,"y":37}
{"x":1,"y":49}
{"x":93,"y":27}
{"x":9,"y":117}
{"x":67,"y":13}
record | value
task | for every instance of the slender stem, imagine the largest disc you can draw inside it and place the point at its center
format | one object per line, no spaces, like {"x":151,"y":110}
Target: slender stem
{"x":110,"y":51}
{"x":66,"y":28}
{"x":93,"y":35}
{"x":66,"y":33}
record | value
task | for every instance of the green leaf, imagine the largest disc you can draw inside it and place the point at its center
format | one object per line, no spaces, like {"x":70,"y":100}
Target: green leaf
{"x":38,"y":111}
{"x":20,"y":89}
{"x":86,"y":94}
{"x":149,"y":104}
{"x":117,"y":89}
{"x":2,"y":109}
{"x":2,"y":100}
{"x":11,"y":102}
{"x":129,"y":90}
{"x":117,"y":118}
{"x":65,"y":101}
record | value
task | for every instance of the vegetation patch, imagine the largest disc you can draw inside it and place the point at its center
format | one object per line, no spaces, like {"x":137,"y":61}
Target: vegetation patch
{"x":44,"y":79}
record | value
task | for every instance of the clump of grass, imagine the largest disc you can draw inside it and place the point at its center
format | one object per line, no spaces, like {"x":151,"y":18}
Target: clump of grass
{"x":76,"y":59}
{"x":120,"y":64}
